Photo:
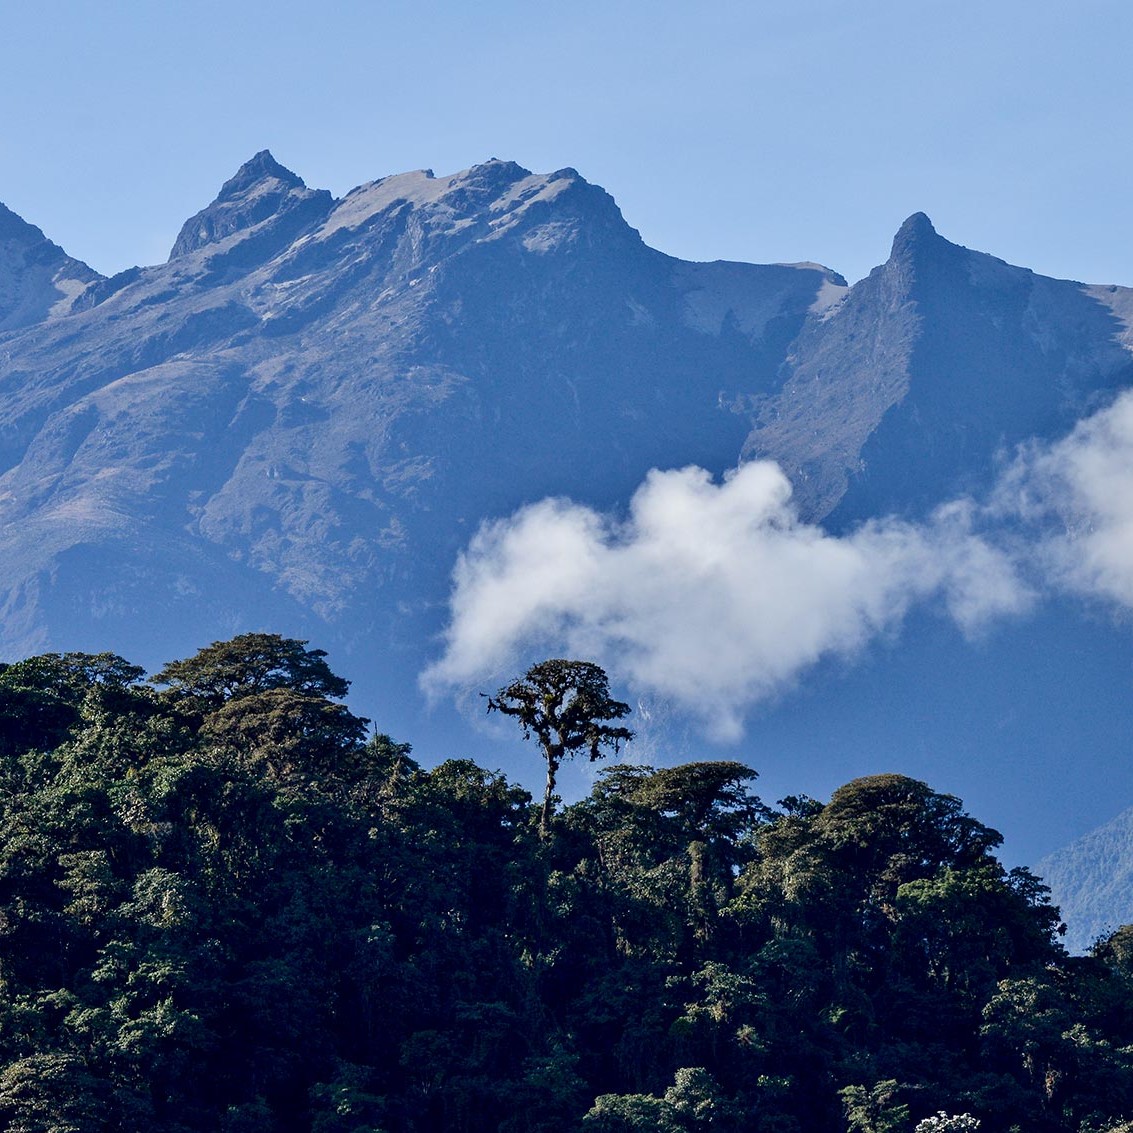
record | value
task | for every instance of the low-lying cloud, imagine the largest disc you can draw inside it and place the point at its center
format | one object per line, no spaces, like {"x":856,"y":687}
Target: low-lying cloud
{"x":712,"y":595}
{"x":1076,"y":495}
{"x":715,"y":596}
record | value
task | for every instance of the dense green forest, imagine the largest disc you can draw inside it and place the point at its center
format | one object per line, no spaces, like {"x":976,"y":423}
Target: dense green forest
{"x":227,"y":904}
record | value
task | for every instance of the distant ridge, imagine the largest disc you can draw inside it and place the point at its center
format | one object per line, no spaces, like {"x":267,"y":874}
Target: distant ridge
{"x":1091,"y":880}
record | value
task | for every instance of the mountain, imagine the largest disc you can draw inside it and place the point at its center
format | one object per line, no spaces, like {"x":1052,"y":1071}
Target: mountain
{"x":38,"y":280}
{"x":307,"y":409}
{"x":298,"y":420}
{"x":1091,"y":880}
{"x":904,"y":394}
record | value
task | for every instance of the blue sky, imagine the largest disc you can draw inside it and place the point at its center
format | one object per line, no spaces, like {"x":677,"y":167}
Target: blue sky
{"x":785,"y":130}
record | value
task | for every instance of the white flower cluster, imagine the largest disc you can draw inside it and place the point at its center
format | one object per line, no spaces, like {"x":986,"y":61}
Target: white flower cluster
{"x":948,"y":1123}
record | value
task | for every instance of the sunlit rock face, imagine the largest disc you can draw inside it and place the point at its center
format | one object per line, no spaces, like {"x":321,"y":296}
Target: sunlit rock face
{"x":303,"y":414}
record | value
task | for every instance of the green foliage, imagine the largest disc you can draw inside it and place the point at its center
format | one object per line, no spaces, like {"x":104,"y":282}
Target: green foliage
{"x":222,"y":907}
{"x":627,"y":1113}
{"x":248,"y":664}
{"x":876,"y":1110}
{"x":566,"y":706}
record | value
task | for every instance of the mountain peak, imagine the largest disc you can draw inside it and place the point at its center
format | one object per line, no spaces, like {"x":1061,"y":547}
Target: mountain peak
{"x":918,"y":224}
{"x":261,"y":167}
{"x":14,"y":227}
{"x":493,"y":175}
{"x":259,"y":190}
{"x":915,"y":233}
{"x":36,"y":275}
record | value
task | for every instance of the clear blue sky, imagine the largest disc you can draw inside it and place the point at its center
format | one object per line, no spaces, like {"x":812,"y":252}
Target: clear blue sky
{"x":782,"y":130}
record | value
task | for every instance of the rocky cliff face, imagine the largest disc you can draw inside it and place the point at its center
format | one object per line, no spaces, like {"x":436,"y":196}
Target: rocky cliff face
{"x":937,"y":364}
{"x":306,"y":411}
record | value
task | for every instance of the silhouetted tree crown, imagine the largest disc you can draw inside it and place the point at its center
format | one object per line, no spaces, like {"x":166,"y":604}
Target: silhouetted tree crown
{"x":566,"y":706}
{"x":251,"y":663}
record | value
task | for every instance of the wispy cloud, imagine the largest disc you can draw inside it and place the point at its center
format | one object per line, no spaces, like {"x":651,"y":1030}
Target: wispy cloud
{"x":1076,"y":498}
{"x":712,"y":595}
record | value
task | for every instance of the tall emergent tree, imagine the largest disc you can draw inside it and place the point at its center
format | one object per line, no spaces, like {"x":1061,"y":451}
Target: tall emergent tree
{"x":270,"y":698}
{"x":567,"y":706}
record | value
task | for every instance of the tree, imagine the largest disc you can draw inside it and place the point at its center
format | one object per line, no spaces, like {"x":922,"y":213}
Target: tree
{"x":876,"y":1110}
{"x":271,"y":699}
{"x":289,"y":732}
{"x":709,"y":800}
{"x":567,"y":706}
{"x":42,"y":698}
{"x":52,"y":1093}
{"x":709,"y":809}
{"x":247,"y":664}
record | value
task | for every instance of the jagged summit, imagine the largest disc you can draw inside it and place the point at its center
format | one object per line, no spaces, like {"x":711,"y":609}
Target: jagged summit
{"x":914,"y":235}
{"x":500,"y":167}
{"x":916,"y":225}
{"x":36,"y":275}
{"x":15,"y":232}
{"x":261,"y":167}
{"x":261,"y":190}
{"x":942,"y":358}
{"x":14,"y":227}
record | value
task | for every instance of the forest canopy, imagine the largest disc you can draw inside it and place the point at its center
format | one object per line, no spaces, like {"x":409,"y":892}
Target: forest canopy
{"x":227,"y":904}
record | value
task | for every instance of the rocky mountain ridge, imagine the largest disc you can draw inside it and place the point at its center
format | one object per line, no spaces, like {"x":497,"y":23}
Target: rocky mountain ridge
{"x":938,"y":361}
{"x":298,"y":420}
{"x":318,"y":390}
{"x":38,"y":280}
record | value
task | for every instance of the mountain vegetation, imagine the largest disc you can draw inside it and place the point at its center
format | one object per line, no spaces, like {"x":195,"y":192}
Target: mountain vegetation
{"x":227,"y":904}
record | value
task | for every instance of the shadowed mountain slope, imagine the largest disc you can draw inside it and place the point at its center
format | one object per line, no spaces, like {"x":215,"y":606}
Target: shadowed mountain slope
{"x":307,"y":410}
{"x":1091,"y":880}
{"x":936,"y":365}
{"x":37,"y":278}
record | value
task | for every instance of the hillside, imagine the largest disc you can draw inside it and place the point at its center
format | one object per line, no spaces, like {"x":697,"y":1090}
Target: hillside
{"x":1091,"y":880}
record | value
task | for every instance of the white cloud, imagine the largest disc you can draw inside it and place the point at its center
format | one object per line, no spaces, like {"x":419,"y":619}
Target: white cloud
{"x":1078,"y":492}
{"x":712,"y":595}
